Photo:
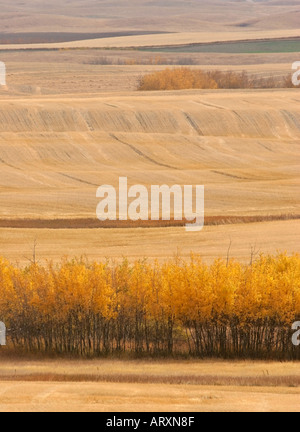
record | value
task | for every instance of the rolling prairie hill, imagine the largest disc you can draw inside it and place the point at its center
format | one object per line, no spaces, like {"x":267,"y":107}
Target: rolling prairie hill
{"x":242,"y":145}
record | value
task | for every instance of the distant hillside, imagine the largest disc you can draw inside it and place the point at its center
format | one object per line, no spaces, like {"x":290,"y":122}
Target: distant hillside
{"x":168,"y":15}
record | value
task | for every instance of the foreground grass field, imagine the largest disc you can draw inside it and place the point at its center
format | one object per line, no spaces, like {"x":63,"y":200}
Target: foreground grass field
{"x":32,"y":386}
{"x":90,"y":397}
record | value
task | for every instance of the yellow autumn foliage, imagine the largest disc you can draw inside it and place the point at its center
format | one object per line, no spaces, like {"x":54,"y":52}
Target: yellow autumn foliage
{"x":181,"y":78}
{"x":182,"y":306}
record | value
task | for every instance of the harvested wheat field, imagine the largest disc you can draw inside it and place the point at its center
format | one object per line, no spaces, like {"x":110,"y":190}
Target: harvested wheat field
{"x":78,"y":73}
{"x":91,"y":397}
{"x":238,"y":241}
{"x":242,"y":145}
{"x":173,"y":386}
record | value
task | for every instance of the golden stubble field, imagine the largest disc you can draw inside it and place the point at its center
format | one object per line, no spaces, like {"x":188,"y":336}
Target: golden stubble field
{"x":243,"y":146}
{"x":166,"y":386}
{"x":76,"y":72}
{"x":240,"y":241}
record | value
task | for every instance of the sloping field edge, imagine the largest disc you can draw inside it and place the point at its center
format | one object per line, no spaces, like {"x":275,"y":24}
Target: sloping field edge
{"x":92,"y":223}
{"x":107,"y":43}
